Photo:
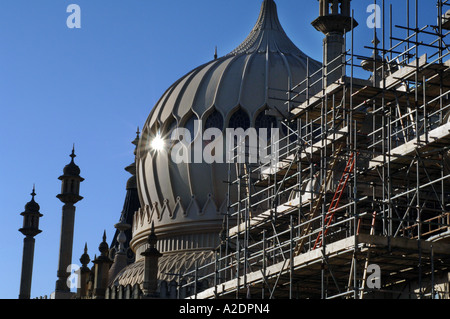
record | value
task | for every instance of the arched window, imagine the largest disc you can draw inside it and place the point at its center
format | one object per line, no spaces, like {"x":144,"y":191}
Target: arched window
{"x":239,"y":119}
{"x":172,"y":126}
{"x":190,"y":125}
{"x":265,"y":121}
{"x":170,"y":129}
{"x":215,"y":119}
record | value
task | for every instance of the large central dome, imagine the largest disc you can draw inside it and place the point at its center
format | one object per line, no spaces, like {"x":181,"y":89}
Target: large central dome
{"x":231,"y":91}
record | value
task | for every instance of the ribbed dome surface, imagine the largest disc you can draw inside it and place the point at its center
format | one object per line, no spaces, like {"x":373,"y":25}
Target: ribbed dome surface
{"x":259,"y":71}
{"x":250,"y":79}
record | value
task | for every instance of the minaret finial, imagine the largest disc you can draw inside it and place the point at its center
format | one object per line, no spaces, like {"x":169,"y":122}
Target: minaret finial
{"x":33,"y":193}
{"x":73,"y":152}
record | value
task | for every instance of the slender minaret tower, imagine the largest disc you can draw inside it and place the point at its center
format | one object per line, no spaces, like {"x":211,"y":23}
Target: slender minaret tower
{"x":334,"y":21}
{"x":30,"y":229}
{"x":70,"y":195}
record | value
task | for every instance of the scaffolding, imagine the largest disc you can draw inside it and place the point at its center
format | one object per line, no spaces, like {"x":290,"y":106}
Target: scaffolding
{"x":358,"y":204}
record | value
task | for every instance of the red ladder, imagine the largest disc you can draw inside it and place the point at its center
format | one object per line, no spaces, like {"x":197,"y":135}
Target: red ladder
{"x":337,"y":197}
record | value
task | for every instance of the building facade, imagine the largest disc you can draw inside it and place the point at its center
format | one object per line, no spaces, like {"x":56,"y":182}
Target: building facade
{"x":356,"y":205}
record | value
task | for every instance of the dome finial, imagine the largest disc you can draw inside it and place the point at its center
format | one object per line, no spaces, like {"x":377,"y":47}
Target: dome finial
{"x":136,"y":140}
{"x":215,"y":53}
{"x":267,"y":34}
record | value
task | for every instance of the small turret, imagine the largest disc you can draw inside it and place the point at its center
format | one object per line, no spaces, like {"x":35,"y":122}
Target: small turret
{"x":71,"y":179}
{"x":102,"y":265}
{"x":30,"y":229}
{"x":31,"y":217}
{"x":84,"y":273}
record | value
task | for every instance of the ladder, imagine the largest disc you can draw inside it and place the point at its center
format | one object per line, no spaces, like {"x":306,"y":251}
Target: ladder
{"x":307,"y":228}
{"x":336,"y":199}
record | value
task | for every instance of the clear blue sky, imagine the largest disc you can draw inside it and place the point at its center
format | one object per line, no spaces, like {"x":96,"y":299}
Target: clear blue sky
{"x":93,"y":86}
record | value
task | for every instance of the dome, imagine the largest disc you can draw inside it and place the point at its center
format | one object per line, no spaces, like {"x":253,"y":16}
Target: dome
{"x":32,"y":206}
{"x":231,"y":91}
{"x":72,"y":169}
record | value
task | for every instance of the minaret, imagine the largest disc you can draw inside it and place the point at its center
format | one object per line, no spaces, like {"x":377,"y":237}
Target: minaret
{"x":70,"y":190}
{"x":334,"y":21}
{"x":30,"y":229}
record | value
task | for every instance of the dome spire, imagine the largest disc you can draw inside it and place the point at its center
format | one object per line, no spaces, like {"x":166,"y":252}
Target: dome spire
{"x":267,"y":34}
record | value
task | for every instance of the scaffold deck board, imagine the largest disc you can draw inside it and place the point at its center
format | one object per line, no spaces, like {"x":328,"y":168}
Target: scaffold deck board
{"x":335,"y":89}
{"x":331,"y":138}
{"x":440,"y":134}
{"x":340,"y":253}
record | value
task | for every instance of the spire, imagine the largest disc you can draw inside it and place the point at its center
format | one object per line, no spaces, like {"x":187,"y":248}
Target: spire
{"x":85,"y":259}
{"x":102,"y":265}
{"x":73,"y":152}
{"x":136,"y":140}
{"x":103,"y":247}
{"x":85,"y":272}
{"x":267,"y":34}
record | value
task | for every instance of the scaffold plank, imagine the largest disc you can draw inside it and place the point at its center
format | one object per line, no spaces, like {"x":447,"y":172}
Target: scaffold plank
{"x":401,"y":152}
{"x":342,"y":251}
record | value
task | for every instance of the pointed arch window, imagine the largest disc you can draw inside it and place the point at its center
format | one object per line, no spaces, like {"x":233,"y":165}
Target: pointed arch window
{"x":215,"y":119}
{"x":265,"y":121}
{"x":239,"y":119}
{"x":190,"y":126}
